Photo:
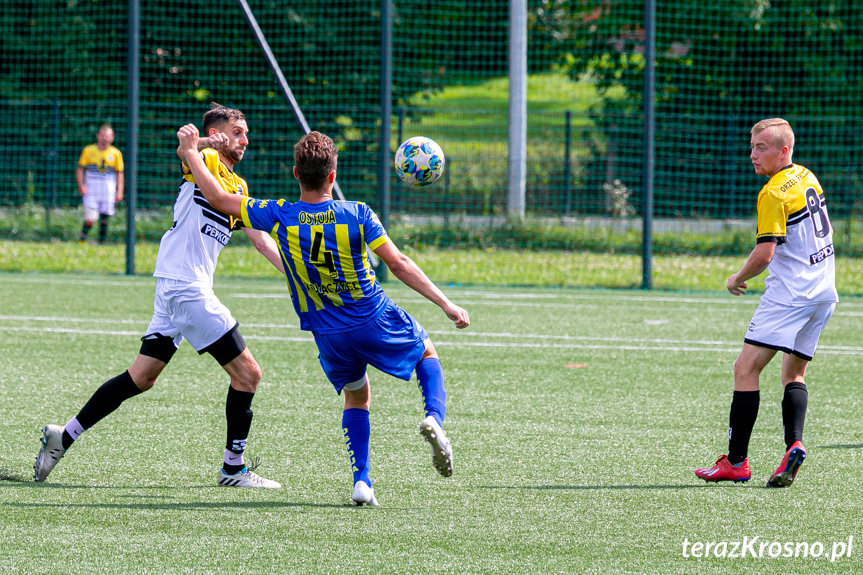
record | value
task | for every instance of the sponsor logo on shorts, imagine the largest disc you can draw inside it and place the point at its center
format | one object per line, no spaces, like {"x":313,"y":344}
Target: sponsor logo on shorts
{"x":216,"y":234}
{"x":821,"y":255}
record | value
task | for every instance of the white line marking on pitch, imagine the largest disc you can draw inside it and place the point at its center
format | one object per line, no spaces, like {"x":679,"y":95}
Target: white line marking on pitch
{"x":142,"y":321}
{"x":686,"y":346}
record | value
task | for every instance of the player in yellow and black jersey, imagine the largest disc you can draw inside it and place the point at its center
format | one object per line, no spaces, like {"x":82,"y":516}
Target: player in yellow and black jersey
{"x":794,"y":242}
{"x":185,"y":307}
{"x":100,"y":181}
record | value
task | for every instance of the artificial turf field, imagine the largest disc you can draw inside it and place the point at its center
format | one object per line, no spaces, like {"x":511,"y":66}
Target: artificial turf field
{"x":576,"y":418}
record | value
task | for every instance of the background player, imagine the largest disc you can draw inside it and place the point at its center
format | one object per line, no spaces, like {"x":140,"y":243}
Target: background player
{"x":185,"y":306}
{"x":337,"y":298}
{"x":100,"y":181}
{"x":795,"y":243}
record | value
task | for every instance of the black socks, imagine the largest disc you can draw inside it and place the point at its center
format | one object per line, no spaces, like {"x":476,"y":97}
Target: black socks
{"x":103,"y":228}
{"x":85,"y":229}
{"x":741,"y":420}
{"x":238,"y":411}
{"x":106,"y":399}
{"x":794,"y":403}
{"x":744,"y":411}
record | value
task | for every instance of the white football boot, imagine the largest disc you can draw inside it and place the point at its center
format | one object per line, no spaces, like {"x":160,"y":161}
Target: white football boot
{"x":364,"y":495}
{"x":440,"y":445}
{"x":50,"y":453}
{"x":246,"y":478}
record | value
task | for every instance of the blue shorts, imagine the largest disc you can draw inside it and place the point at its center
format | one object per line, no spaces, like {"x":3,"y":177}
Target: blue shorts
{"x":393,"y":343}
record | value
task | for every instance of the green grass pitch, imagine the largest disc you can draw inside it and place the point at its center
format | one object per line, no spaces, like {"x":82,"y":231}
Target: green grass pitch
{"x":576,"y":417}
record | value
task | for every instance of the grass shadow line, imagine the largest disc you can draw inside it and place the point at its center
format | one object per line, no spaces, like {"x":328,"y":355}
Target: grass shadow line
{"x":182,"y":506}
{"x":590,"y":487}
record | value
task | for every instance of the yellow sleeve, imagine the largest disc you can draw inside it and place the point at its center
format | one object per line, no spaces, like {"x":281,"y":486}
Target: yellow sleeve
{"x":772,"y":218}
{"x":119,"y":163}
{"x":379,"y":242}
{"x":82,"y":159}
{"x":244,"y":213}
{"x":211,"y":160}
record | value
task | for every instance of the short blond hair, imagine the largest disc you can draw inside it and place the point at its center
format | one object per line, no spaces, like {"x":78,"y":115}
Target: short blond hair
{"x":783,"y":134}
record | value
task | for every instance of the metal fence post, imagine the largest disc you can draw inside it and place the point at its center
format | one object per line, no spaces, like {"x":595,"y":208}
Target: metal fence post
{"x":131,"y":164}
{"x":649,"y":144}
{"x":567,"y":162}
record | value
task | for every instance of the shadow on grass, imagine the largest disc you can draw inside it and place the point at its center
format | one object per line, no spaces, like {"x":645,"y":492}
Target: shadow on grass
{"x":27,"y":482}
{"x":18,"y":481}
{"x":6,"y":475}
{"x":590,"y":487}
{"x":183,"y":505}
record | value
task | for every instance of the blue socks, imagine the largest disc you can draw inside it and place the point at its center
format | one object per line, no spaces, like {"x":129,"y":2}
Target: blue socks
{"x":357,"y":431}
{"x":430,"y":382}
{"x":355,"y":422}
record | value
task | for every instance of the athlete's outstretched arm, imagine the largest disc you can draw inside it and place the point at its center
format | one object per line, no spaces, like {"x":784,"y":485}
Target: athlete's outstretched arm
{"x":410,"y":273}
{"x":218,"y":198}
{"x":267,"y":246}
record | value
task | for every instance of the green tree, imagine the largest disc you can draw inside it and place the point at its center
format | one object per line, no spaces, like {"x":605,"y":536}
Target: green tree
{"x":719,"y":68}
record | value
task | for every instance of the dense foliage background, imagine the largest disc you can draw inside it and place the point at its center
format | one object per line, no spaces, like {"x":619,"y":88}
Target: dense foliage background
{"x":719,"y":69}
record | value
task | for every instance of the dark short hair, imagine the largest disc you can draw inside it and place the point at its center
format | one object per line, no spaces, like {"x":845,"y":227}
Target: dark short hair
{"x":315,"y":156}
{"x":219,"y":115}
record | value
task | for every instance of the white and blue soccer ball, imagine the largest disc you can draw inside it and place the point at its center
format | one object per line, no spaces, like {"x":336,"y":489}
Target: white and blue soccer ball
{"x":419,"y":161}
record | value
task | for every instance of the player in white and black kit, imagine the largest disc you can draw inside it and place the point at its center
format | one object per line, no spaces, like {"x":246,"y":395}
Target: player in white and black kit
{"x":795,"y":243}
{"x":185,"y":306}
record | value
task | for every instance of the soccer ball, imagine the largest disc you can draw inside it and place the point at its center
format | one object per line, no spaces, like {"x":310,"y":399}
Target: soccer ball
{"x":419,"y":161}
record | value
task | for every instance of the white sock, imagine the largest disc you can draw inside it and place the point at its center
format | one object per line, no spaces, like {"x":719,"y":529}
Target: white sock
{"x":232,"y":458}
{"x":73,"y":428}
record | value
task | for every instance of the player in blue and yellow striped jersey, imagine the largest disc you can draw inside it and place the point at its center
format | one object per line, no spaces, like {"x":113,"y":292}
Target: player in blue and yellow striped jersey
{"x":794,"y":242}
{"x":335,"y":294}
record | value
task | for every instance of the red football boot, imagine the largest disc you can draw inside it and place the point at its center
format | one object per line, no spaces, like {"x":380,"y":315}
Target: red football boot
{"x":722,"y":470}
{"x":787,"y":470}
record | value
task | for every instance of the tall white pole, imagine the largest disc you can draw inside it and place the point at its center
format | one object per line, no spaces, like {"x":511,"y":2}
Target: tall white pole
{"x":517,"y":107}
